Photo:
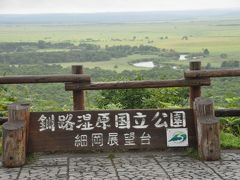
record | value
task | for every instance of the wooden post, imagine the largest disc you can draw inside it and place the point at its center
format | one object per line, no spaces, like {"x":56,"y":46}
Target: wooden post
{"x":195,"y":91}
{"x":78,"y":95}
{"x":15,"y":135}
{"x":208,"y":130}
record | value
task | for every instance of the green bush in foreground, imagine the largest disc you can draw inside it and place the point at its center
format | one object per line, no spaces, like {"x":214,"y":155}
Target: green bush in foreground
{"x":229,"y":141}
{"x":231,"y":125}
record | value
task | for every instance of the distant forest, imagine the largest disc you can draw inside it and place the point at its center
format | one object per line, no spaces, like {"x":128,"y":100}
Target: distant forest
{"x":29,"y":53}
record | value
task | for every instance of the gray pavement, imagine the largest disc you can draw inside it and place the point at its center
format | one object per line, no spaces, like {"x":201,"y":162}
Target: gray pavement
{"x":123,"y":166}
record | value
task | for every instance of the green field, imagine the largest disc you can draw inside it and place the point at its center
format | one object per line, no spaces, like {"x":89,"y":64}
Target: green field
{"x":218,"y":36}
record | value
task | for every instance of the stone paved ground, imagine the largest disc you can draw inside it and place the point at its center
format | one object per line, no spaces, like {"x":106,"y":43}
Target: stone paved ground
{"x":123,"y":166}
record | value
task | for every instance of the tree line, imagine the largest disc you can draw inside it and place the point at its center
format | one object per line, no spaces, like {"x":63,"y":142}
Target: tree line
{"x":84,"y":52}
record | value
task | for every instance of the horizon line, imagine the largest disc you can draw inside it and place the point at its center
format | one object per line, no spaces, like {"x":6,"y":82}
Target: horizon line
{"x":116,"y":12}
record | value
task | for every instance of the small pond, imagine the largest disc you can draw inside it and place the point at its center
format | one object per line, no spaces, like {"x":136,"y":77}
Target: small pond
{"x":148,"y":64}
{"x":182,"y":57}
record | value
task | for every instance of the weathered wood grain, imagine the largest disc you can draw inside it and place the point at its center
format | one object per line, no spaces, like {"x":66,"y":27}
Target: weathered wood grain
{"x":137,"y":84}
{"x":212,"y":73}
{"x":14,"y":144}
{"x":20,"y":112}
{"x":78,"y":95}
{"x":208,"y":130}
{"x":15,"y":135}
{"x":44,"y":79}
{"x":194,"y":91}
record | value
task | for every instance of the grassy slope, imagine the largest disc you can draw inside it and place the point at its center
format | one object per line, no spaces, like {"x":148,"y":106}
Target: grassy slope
{"x":121,"y":63}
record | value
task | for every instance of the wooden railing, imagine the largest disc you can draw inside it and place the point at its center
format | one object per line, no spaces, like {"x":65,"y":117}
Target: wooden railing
{"x":193,"y":78}
{"x":78,"y":82}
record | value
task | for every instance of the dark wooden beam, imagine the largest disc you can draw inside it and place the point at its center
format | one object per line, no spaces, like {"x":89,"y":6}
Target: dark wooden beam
{"x":44,"y":79}
{"x":137,"y":84}
{"x":3,"y":120}
{"x":212,"y":73}
{"x":227,"y":112}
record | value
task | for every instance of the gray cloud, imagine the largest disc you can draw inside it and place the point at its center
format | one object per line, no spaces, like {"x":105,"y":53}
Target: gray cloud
{"x":82,"y":6}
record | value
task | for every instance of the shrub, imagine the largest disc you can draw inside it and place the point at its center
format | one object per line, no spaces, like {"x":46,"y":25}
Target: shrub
{"x":223,"y":55}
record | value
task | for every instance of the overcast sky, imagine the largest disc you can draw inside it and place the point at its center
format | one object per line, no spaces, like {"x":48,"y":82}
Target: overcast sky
{"x":92,"y":6}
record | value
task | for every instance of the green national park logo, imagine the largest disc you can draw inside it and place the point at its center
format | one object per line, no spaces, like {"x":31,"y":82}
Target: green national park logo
{"x":179,"y":137}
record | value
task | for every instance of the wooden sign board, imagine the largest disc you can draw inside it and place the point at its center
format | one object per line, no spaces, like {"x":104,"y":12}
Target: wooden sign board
{"x":111,"y":130}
